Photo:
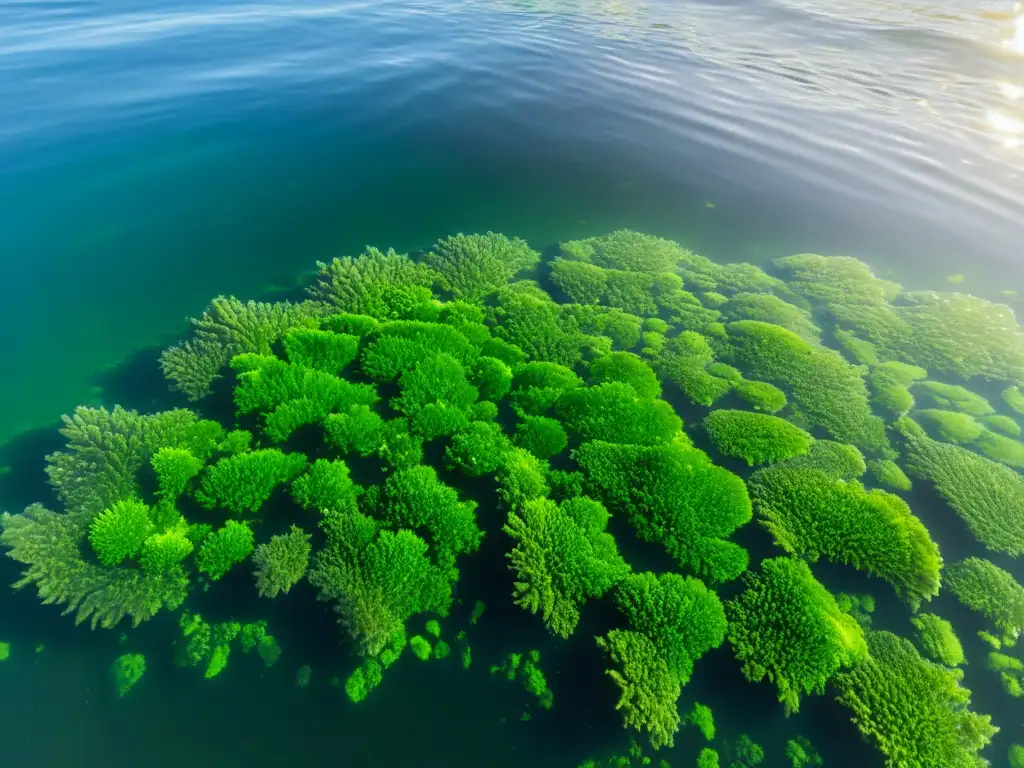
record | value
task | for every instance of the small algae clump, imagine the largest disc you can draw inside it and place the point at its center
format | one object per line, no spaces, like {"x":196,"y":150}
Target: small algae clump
{"x":949,"y":426}
{"x":282,"y":562}
{"x":986,"y":588}
{"x":1014,"y":398}
{"x":889,"y":474}
{"x":673,"y":621}
{"x":701,"y":716}
{"x":675,"y":496}
{"x":526,"y":669}
{"x":802,"y":754}
{"x":951,"y":397}
{"x":988,"y":496}
{"x":787,"y":627}
{"x":812,"y":515}
{"x":421,"y":647}
{"x":756,"y":438}
{"x":127,"y":670}
{"x":916,"y":712}
{"x":225,"y":547}
{"x":938,"y":640}
{"x":1010,"y":671}
{"x":5,"y":651}
{"x":304,"y":676}
{"x":562,"y":558}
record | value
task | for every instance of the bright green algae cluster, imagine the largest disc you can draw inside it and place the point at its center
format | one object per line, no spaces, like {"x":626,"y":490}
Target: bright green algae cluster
{"x":555,"y":389}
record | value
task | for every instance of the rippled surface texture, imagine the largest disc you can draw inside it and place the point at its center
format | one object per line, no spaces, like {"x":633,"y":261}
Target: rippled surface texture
{"x":155,"y":153}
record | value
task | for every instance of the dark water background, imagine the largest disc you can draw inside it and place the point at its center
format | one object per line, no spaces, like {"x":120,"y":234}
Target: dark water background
{"x":155,"y":154}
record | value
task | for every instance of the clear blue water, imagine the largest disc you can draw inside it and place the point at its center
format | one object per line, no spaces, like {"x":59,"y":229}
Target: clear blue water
{"x":155,"y":154}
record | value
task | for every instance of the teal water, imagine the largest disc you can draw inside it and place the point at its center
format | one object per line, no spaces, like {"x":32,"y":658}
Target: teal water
{"x":153,"y":155}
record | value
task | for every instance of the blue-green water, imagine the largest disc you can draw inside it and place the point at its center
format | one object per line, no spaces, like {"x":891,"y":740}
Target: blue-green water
{"x":153,"y":155}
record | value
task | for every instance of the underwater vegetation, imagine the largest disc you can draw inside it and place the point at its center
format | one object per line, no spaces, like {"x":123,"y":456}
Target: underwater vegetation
{"x":412,"y":408}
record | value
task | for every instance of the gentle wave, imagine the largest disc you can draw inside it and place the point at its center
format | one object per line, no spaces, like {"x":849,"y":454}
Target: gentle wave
{"x":875,"y":100}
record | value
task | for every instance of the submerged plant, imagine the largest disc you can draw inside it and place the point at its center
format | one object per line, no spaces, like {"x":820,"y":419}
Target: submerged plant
{"x":466,"y":399}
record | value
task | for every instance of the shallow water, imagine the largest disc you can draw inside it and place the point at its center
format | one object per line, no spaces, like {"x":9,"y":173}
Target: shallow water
{"x":156,"y":154}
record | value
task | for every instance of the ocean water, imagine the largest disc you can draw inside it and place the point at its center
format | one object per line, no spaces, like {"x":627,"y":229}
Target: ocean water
{"x":156,"y":154}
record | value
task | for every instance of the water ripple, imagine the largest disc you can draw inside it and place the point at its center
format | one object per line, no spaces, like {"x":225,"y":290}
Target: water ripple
{"x":914,"y":101}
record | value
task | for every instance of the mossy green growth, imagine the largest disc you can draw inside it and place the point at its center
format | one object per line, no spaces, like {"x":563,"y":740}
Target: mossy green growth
{"x":744,"y":752}
{"x":418,"y":500}
{"x":986,"y":588}
{"x":525,"y":667}
{"x":802,"y":754}
{"x":1010,"y":671}
{"x":282,"y":562}
{"x":492,"y":377}
{"x":363,"y":680}
{"x":174,"y":468}
{"x":324,"y":351}
{"x":628,"y":369}
{"x":421,"y":647}
{"x":988,"y":496}
{"x":326,"y":485}
{"x":472,"y":266}
{"x":811,"y":514}
{"x":269,"y":650}
{"x":860,"y":607}
{"x":787,"y":627}
{"x":949,"y":426}
{"x":119,"y":532}
{"x":703,"y":719}
{"x":683,"y":361}
{"x":938,"y":640}
{"x":615,"y":413}
{"x":889,"y":474}
{"x":163,"y":551}
{"x":537,"y":385}
{"x":127,"y":670}
{"x":377,"y":578}
{"x":521,"y":477}
{"x":562,"y":558}
{"x":915,"y":711}
{"x":760,"y":395}
{"x":1002,"y":423}
{"x":767,"y":308}
{"x":673,"y":622}
{"x":223,"y":548}
{"x":990,"y":640}
{"x":837,"y":460}
{"x":1014,"y":398}
{"x":242,"y":483}
{"x":708,"y":758}
{"x":351,"y":324}
{"x":5,"y":651}
{"x":359,"y":430}
{"x":1000,"y":448}
{"x":756,"y":438}
{"x":250,"y":635}
{"x":951,"y":397}
{"x":674,"y":496}
{"x":542,"y":436}
{"x":824,"y":389}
